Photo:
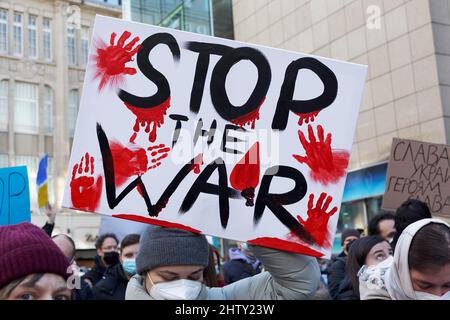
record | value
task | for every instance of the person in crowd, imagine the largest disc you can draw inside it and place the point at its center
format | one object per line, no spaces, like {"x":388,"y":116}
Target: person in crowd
{"x":382,"y":224}
{"x":50,"y":223}
{"x":242,"y":264}
{"x":336,"y":267}
{"x":410,"y":211}
{"x":107,"y":256}
{"x":31,"y":266}
{"x":368,"y":251}
{"x":212,"y":275}
{"x":419,"y":270}
{"x":115,"y":280}
{"x":170,"y":265}
{"x":82,"y":290}
{"x":66,"y":244}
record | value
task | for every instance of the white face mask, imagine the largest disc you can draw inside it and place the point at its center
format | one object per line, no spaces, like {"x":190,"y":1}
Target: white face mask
{"x":428,"y":296}
{"x":182,"y":289}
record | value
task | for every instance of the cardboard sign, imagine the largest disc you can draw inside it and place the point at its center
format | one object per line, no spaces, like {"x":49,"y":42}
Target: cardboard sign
{"x":418,"y":170}
{"x":14,"y":196}
{"x":214,"y":136}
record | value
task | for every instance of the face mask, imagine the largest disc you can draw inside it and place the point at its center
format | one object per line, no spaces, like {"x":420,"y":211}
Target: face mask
{"x":175,"y":290}
{"x":111,"y":258}
{"x":129,"y":265}
{"x":428,"y":296}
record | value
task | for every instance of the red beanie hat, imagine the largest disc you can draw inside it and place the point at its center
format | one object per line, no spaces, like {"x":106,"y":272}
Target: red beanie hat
{"x":26,"y":249}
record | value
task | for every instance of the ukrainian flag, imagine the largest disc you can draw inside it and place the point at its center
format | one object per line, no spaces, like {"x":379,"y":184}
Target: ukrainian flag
{"x":41,"y":182}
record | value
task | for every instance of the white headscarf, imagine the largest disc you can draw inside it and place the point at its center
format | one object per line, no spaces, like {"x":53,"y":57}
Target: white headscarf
{"x":398,"y":279}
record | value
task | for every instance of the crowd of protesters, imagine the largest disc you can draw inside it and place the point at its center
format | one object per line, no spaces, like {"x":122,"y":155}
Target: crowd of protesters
{"x":405,"y":255}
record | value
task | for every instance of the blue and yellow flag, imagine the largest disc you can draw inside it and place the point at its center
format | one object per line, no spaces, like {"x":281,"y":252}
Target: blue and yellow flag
{"x":41,"y":182}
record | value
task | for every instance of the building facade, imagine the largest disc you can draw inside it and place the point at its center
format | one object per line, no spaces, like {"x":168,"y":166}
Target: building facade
{"x":210,"y":17}
{"x":406,"y":45}
{"x":43,"y":54}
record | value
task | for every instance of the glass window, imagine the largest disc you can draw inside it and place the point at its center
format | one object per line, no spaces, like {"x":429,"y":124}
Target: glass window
{"x":47,"y":38}
{"x":3,"y":31}
{"x":32,"y":36}
{"x":71,"y":46}
{"x":84,"y":45}
{"x":26,"y":107}
{"x":352,"y":215}
{"x":17,"y":34}
{"x":73,"y":110}
{"x":3,"y":105}
{"x":48,"y":110}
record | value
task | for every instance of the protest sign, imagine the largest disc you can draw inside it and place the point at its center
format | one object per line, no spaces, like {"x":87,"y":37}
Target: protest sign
{"x":214,"y":136}
{"x":418,"y":170}
{"x":14,"y":196}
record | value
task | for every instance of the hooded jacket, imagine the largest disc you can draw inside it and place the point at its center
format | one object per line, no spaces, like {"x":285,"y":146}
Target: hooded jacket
{"x":290,"y":276}
{"x":390,"y":279}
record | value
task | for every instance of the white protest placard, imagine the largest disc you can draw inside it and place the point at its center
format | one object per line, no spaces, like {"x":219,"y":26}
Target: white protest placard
{"x":214,"y":136}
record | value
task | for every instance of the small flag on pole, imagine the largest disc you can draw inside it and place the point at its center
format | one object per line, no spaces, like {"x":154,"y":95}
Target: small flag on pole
{"x":41,"y":182}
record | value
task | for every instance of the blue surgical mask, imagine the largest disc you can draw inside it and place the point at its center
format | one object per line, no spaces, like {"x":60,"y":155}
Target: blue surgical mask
{"x":129,"y":265}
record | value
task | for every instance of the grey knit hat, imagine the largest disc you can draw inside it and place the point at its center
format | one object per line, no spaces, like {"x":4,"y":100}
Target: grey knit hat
{"x":167,"y":247}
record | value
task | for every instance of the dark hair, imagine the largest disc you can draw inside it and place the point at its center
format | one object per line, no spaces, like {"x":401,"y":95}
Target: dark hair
{"x":410,"y":211}
{"x":7,"y":289}
{"x":210,"y":277}
{"x":430,"y":248}
{"x":129,"y":240}
{"x":374,"y":227}
{"x":70,"y":240}
{"x":357,"y":258}
{"x":103,"y":237}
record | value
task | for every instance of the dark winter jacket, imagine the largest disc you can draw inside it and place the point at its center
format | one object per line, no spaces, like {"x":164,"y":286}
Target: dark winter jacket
{"x":96,"y":273}
{"x":339,"y":284}
{"x":113,"y":285}
{"x":239,"y":267}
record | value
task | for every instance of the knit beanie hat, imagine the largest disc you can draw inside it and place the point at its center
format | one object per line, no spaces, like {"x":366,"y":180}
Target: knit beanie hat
{"x":349,"y":233}
{"x":26,"y":249}
{"x":161,"y":246}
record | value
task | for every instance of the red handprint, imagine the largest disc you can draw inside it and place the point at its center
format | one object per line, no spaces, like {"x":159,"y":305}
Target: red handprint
{"x":134,"y":161}
{"x":327,"y":165}
{"x":85,"y":191}
{"x":306,"y":117}
{"x":111,"y":59}
{"x":317,"y":222}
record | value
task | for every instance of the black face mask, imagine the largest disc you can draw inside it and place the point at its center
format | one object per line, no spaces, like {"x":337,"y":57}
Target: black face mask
{"x":111,"y":258}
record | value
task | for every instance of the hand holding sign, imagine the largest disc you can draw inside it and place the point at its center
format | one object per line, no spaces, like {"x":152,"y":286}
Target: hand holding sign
{"x":85,"y":190}
{"x":111,"y":60}
{"x":327,"y":165}
{"x":317,"y":222}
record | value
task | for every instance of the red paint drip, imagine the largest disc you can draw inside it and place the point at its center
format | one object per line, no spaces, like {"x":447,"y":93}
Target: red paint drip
{"x":249,"y":118}
{"x":327,"y":165}
{"x":128,"y":162}
{"x":245,"y":174}
{"x":156,"y":222}
{"x":85,"y":190}
{"x":317,"y":222}
{"x":307,"y":117}
{"x":284,"y":245}
{"x":150,"y":118}
{"x":110,"y":60}
{"x":198,"y":161}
